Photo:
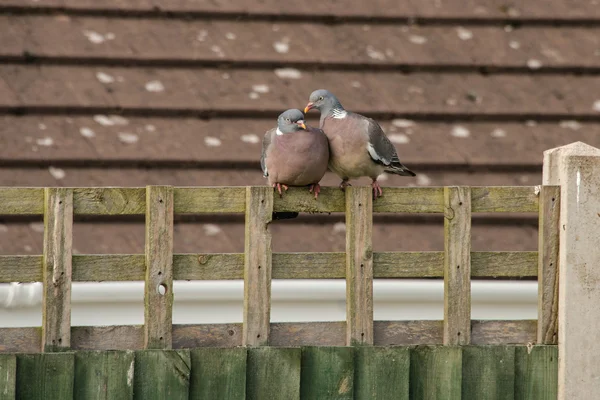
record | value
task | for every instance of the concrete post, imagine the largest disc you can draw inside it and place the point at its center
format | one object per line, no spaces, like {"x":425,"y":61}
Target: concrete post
{"x":576,"y":168}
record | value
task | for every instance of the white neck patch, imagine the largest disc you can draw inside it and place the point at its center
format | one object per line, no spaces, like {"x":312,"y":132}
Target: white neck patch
{"x":339,"y":114}
{"x":279,"y":133}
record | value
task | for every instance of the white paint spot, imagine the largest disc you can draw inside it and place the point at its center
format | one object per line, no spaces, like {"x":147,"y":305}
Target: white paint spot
{"x":530,"y":123}
{"x":403,"y":123}
{"x":37,"y":227}
{"x":416,"y":39}
{"x":260,"y":88}
{"x":423,"y":180}
{"x":104,"y":77}
{"x":375,"y":54}
{"x":282,"y":46}
{"x":250,"y":138}
{"x":57,"y":173}
{"x":534,"y":64}
{"x":498,"y":133}
{"x":253,"y":95}
{"x":339,"y":227}
{"x":230,"y":35}
{"x":225,"y":75}
{"x":574,"y":125}
{"x":212,"y":141}
{"x":87,"y":132}
{"x":578,"y":185}
{"x":155,"y":86}
{"x":513,"y":44}
{"x":355,"y":84}
{"x":211,"y":229}
{"x":399,"y":138}
{"x":201,"y":36}
{"x":3,"y":228}
{"x":596,"y":106}
{"x":464,"y":34}
{"x":460,"y":132}
{"x":42,"y":127}
{"x":94,"y":37}
{"x":217,"y":50}
{"x":150,"y":128}
{"x":128,"y":138}
{"x":110,"y":120}
{"x":130,"y":374}
{"x":288,"y":73}
{"x":46,"y":141}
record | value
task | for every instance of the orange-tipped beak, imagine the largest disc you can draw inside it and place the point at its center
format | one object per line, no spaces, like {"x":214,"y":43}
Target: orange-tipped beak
{"x":301,"y":124}
{"x":308,"y":107}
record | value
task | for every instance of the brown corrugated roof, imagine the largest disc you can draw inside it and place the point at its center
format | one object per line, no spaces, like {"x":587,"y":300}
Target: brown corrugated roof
{"x":131,"y":93}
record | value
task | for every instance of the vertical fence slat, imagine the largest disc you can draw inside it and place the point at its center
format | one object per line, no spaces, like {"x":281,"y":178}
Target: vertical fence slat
{"x":57,"y":268}
{"x":488,"y":372}
{"x":327,"y":373}
{"x":45,"y":376}
{"x":382,"y":373}
{"x":436,"y":372}
{"x":273,"y":373}
{"x":158,"y":295}
{"x":359,"y":266}
{"x":218,"y":373}
{"x":257,"y":266}
{"x":161,"y":375}
{"x":549,"y":223}
{"x":457,"y":265}
{"x":8,"y":376}
{"x":536,"y":373}
{"x":104,"y":375}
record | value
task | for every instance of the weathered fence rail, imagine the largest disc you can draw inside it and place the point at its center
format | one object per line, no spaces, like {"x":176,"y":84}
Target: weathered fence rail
{"x":57,"y":268}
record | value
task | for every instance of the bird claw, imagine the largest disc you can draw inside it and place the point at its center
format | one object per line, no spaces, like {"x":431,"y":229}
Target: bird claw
{"x":377,"y":191}
{"x":316,"y":188}
{"x":344,"y":185}
{"x":278,"y":186}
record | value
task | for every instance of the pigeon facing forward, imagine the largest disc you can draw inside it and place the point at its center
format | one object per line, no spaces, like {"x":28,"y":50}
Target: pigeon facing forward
{"x":294,"y":154}
{"x":358,"y":145}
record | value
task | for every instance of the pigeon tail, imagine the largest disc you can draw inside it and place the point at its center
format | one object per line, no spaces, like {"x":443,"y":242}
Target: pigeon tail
{"x":399,"y":169}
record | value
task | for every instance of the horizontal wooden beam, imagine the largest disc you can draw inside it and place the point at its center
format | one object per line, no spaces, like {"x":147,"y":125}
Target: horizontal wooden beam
{"x":199,"y":200}
{"x":390,"y":265}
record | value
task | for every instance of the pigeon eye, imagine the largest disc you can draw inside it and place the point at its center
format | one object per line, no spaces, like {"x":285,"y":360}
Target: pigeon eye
{"x":321,"y":98}
{"x":287,"y":119}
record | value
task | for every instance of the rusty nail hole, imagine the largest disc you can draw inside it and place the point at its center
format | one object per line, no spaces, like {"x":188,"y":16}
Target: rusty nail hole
{"x":362,"y":334}
{"x":59,"y":341}
{"x":258,"y":336}
{"x":362,"y":265}
{"x":262,"y":201}
{"x":360,"y":204}
{"x":460,"y":203}
{"x":458,"y":267}
{"x":231,"y":332}
{"x":160,"y":338}
{"x":160,"y":200}
{"x":159,"y":273}
{"x":553,"y":199}
{"x":60,"y":202}
{"x":259,"y":267}
{"x":551,"y":264}
{"x":162,"y":289}
{"x":458,"y":334}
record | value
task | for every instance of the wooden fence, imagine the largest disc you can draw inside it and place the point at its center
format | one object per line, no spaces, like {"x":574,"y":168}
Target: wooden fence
{"x":57,"y":268}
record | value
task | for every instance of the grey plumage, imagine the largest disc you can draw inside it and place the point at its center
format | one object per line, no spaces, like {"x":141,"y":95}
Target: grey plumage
{"x":358,"y":145}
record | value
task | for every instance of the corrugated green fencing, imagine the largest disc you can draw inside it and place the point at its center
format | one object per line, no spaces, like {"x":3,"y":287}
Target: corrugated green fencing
{"x":270,"y":373}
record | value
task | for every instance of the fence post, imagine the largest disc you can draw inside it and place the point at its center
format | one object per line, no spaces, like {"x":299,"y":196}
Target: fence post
{"x":158,"y":294}
{"x":57,"y":268}
{"x":457,"y":265}
{"x":576,"y":168}
{"x":359,"y":265}
{"x":257,"y":266}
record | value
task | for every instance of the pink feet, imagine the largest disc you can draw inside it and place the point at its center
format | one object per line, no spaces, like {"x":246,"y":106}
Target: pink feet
{"x":316,"y":188}
{"x":278,"y":186}
{"x":377,"y":192}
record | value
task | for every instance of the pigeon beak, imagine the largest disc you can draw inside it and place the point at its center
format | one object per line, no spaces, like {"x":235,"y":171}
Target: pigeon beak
{"x":301,"y":124}
{"x":308,"y":107}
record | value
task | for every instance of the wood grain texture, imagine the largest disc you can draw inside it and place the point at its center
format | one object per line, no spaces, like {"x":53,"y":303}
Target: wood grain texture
{"x":504,"y":199}
{"x":45,"y":376}
{"x":162,"y":374}
{"x":327,"y":373}
{"x":218,"y":374}
{"x":57,"y":269}
{"x":257,"y":266}
{"x":457,"y":265}
{"x":20,"y":340}
{"x":382,"y":373}
{"x":21,"y":269}
{"x":8,"y":376}
{"x":548,"y":248}
{"x":308,"y":334}
{"x":116,"y":337}
{"x":158,"y":292}
{"x":207,"y":335}
{"x":109,"y":201}
{"x":536,"y":373}
{"x":499,"y":332}
{"x":436,"y":372}
{"x":488,"y":372}
{"x":210,"y":200}
{"x":406,"y":333}
{"x":359,"y":266}
{"x":273,"y":373}
{"x":104,"y":375}
{"x":21,"y":201}
{"x":504,"y":264}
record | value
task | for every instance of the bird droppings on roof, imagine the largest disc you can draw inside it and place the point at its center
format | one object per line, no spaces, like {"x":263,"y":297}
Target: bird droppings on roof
{"x":339,"y":227}
{"x":596,"y":106}
{"x":355,"y":84}
{"x":128,"y":137}
{"x":253,"y":95}
{"x":288,"y":73}
{"x":57,"y":173}
{"x":282,"y":46}
{"x":201,"y":36}
{"x":225,"y":75}
{"x":110,"y":120}
{"x":150,"y":128}
{"x":104,"y":77}
{"x":423,"y":180}
{"x":573,"y":125}
{"x":399,"y":138}
{"x":42,"y":127}
{"x":513,"y":44}
{"x":464,"y":34}
{"x":416,"y":39}
{"x":211,"y":229}
{"x":530,"y":123}
{"x":212,"y":141}
{"x":534,"y":64}
{"x":155,"y":86}
{"x":230,"y":36}
{"x":250,"y":138}
{"x":375,"y":54}
{"x":37,"y":227}
{"x":260,"y":88}
{"x":498,"y":133}
{"x":403,"y":123}
{"x":98,"y":38}
{"x":45,"y":141}
{"x":460,"y":132}
{"x":217,"y":50}
{"x":87,"y":132}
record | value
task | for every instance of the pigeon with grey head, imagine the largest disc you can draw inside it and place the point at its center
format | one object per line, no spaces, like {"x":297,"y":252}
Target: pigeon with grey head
{"x":358,"y":145}
{"x":294,"y":154}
